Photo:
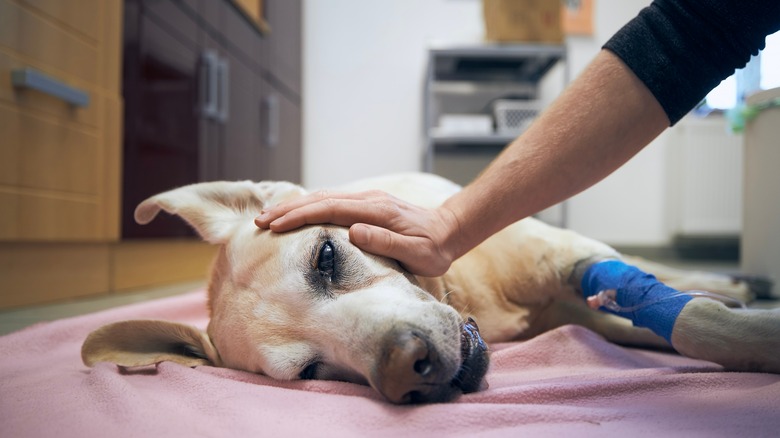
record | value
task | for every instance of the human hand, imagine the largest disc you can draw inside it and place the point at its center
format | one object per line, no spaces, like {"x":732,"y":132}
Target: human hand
{"x":420,"y":239}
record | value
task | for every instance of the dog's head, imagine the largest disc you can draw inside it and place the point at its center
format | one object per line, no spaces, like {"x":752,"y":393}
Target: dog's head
{"x":305,"y":304}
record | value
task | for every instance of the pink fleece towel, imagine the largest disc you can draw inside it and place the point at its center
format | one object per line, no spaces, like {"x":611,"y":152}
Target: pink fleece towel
{"x":567,"y":382}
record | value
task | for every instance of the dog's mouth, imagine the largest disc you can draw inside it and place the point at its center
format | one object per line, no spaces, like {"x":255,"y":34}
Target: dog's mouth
{"x":475,"y":359}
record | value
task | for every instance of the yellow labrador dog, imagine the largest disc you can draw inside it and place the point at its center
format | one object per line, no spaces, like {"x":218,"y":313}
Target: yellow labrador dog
{"x":309,"y":305}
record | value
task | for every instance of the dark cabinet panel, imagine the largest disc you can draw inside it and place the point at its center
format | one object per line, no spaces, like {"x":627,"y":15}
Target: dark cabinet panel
{"x":242,"y":139}
{"x":243,"y":41}
{"x":160,"y":125}
{"x":175,"y":17}
{"x":207,"y":98}
{"x":211,"y":15}
{"x":283,"y":137}
{"x":284,"y":42}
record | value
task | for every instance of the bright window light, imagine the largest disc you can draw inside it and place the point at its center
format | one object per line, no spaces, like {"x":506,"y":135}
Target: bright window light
{"x":770,"y":62}
{"x":725,"y":95}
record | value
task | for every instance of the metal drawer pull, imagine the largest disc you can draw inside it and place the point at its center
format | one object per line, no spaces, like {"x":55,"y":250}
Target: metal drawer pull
{"x":33,"y":79}
{"x":223,"y":72}
{"x":208,"y":93}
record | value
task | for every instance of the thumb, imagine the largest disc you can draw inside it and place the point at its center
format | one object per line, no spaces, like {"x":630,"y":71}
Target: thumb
{"x":376,"y":240}
{"x":407,"y":250}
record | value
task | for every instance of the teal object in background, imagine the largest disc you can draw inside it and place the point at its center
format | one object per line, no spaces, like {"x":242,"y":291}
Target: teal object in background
{"x":741,"y":115}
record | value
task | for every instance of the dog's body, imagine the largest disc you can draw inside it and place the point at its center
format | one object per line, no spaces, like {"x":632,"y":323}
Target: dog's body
{"x":308,"y":304}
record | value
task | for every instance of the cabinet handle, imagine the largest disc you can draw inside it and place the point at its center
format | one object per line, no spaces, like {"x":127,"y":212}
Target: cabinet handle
{"x":208,"y":84}
{"x":223,"y":72}
{"x":35,"y":80}
{"x":273,"y":114}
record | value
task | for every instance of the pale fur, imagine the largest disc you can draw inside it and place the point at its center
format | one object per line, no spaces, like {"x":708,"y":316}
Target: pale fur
{"x":265,"y":318}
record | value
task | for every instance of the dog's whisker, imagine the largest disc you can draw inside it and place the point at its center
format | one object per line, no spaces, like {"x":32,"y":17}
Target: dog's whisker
{"x":445,"y":300}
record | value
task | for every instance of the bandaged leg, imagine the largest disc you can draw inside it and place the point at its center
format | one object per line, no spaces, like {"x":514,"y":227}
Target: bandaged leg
{"x":739,"y":339}
{"x":640,"y":297}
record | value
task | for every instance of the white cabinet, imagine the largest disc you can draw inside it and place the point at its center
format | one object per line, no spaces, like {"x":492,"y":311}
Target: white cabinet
{"x":760,"y":251}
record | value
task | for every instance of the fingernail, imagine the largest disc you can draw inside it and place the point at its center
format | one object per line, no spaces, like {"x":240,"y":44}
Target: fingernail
{"x":261,"y":219}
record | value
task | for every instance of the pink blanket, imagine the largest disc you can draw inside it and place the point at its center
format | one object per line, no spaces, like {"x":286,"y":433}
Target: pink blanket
{"x":568,"y":382}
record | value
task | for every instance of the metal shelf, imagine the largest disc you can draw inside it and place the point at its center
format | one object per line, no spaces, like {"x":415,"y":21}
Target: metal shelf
{"x":467,"y":80}
{"x":518,"y":63}
{"x":440,"y":139}
{"x":499,"y":50}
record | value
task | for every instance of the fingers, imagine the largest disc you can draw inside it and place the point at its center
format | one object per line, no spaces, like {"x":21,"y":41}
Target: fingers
{"x":380,"y":224}
{"x":267,"y":216}
{"x":324,"y":211}
{"x":319,"y":207}
{"x":375,"y":240}
{"x":416,"y":254}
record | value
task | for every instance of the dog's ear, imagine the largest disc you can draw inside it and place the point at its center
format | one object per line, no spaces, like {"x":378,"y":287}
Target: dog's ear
{"x":215,"y":208}
{"x":147,"y":342}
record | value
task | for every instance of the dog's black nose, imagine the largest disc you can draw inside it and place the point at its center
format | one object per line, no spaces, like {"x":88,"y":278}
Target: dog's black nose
{"x":423,"y":366}
{"x":411,"y":372}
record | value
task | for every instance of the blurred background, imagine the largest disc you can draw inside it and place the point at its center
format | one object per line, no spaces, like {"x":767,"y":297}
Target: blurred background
{"x":104,"y":103}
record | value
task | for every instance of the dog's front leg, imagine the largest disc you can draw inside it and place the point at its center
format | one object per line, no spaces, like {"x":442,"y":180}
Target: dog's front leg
{"x":743,"y":340}
{"x":634,"y":294}
{"x":613,"y":328}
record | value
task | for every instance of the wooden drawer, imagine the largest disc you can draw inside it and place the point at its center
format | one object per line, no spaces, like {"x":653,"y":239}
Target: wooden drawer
{"x":59,"y":163}
{"x":59,"y":179}
{"x":47,"y":153}
{"x":77,"y":15}
{"x":44,"y":104}
{"x":38,"y":273}
{"x":41,"y":216}
{"x":43,"y":40}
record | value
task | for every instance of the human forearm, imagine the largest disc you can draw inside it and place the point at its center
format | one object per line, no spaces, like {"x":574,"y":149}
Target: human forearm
{"x":602,"y":120}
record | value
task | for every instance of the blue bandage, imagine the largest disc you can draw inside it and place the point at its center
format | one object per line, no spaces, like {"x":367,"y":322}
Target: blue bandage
{"x":654,"y":307}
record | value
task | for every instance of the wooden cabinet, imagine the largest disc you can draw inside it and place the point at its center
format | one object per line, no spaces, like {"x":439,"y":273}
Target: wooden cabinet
{"x":179,"y":91}
{"x":214,"y":96}
{"x":59,"y":161}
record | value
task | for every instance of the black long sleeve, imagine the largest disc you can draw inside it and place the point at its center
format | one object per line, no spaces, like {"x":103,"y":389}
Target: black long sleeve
{"x":682,"y":49}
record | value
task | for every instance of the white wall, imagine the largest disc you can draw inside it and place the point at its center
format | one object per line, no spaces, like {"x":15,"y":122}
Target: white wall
{"x":628,"y":207}
{"x":364,"y":63}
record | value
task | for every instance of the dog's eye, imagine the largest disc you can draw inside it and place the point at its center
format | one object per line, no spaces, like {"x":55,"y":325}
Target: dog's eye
{"x":310,"y":372}
{"x":326,"y":262}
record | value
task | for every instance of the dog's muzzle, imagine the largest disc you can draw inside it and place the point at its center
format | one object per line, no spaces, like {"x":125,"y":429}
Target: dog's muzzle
{"x":411,"y":370}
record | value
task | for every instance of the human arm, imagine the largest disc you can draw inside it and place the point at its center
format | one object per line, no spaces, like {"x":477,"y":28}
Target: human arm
{"x":597,"y":124}
{"x":669,"y":57}
{"x":603,"y":118}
